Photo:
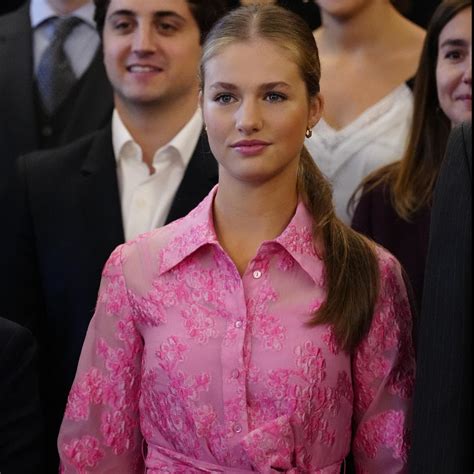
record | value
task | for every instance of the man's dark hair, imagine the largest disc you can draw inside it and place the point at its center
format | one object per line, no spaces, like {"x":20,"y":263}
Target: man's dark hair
{"x":205,"y":12}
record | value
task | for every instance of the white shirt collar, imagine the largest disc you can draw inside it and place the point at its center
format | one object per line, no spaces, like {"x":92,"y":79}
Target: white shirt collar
{"x":41,"y":10}
{"x":184,"y":142}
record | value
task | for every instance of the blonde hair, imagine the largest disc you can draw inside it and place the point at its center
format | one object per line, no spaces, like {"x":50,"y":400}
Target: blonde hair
{"x":351,"y":267}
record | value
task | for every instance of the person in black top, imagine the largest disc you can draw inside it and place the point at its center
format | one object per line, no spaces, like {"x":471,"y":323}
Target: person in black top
{"x":395,"y":206}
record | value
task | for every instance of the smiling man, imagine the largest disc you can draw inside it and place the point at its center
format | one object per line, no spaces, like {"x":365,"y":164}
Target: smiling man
{"x":73,"y":206}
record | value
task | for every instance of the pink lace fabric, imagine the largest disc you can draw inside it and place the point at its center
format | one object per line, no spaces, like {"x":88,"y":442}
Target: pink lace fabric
{"x":189,"y":368}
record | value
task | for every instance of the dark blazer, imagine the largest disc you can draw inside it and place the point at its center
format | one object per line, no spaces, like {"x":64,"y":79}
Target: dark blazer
{"x":20,"y":126}
{"x":442,"y":437}
{"x":65,"y":220}
{"x":21,"y":421}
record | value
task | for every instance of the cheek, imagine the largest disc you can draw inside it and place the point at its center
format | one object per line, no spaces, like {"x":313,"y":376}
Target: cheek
{"x":442,"y":82}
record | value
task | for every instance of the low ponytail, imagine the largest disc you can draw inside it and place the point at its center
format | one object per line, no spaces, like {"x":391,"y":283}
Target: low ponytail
{"x":351,"y":266}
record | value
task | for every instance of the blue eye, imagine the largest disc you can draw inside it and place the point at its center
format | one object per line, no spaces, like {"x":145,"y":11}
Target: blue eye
{"x":224,"y":99}
{"x":275,"y":97}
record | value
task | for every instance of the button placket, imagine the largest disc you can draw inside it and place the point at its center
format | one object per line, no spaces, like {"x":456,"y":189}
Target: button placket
{"x":234,"y":387}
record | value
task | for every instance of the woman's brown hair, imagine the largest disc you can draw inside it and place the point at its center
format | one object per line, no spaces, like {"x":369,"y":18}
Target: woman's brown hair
{"x":351,"y":266}
{"x":411,"y":180}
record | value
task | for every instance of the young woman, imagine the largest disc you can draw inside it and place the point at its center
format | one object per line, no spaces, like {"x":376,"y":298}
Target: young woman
{"x":259,"y":333}
{"x":395,"y":208}
{"x":368,"y":53}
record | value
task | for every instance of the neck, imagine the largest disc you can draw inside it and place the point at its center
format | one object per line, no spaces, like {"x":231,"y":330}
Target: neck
{"x":364,"y":30}
{"x":246,"y":215}
{"x":154,"y":125}
{"x":65,"y":7}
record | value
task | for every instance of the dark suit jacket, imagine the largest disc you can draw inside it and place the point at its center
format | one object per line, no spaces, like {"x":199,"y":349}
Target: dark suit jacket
{"x":65,"y":222}
{"x":19,"y":119}
{"x":442,"y":438}
{"x":21,"y":421}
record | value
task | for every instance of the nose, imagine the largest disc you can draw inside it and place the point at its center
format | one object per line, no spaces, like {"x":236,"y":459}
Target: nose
{"x":144,"y":40}
{"x":249,"y":117}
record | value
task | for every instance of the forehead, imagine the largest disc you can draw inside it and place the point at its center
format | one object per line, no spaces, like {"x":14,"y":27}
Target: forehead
{"x":253,"y":63}
{"x":149,"y":7}
{"x":459,"y":27}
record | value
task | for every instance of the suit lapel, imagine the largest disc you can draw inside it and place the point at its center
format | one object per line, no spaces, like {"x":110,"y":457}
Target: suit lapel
{"x":16,"y":79}
{"x":100,"y":196}
{"x":200,"y":177}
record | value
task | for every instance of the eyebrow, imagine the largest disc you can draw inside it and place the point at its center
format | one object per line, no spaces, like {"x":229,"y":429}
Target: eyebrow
{"x":157,"y":15}
{"x":454,"y":42}
{"x":233,"y":87}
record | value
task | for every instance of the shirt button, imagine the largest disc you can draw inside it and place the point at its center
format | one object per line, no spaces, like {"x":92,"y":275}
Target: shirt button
{"x":257,"y":274}
{"x":239,"y":324}
{"x":237,"y":429}
{"x":235,"y":374}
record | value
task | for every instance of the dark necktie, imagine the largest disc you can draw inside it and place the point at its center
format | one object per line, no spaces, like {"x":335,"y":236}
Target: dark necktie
{"x":55,"y":76}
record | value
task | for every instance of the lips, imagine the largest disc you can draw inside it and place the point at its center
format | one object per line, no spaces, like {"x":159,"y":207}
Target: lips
{"x":250,"y":147}
{"x":465,"y":97}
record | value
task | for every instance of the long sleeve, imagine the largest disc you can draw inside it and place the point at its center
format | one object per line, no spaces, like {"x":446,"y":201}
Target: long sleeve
{"x":100,"y":431}
{"x":383,"y":375}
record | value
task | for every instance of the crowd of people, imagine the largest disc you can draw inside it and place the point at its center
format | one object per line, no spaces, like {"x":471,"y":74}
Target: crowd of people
{"x":237,"y":237}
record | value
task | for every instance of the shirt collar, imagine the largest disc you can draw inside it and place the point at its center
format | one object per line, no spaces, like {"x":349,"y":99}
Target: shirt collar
{"x":184,"y":142}
{"x":197,"y":230}
{"x":41,"y":11}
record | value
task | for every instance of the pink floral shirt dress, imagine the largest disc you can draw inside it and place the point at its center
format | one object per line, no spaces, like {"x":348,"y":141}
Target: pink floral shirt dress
{"x":189,"y":368}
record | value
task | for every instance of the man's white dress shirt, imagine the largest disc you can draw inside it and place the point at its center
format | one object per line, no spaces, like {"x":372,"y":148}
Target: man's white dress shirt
{"x":147,"y":198}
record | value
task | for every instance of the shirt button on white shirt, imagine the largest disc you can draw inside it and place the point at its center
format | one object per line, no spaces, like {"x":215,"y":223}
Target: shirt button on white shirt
{"x":257,"y":274}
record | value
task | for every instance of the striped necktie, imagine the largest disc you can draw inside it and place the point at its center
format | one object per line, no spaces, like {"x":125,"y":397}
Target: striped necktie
{"x":55,"y":75}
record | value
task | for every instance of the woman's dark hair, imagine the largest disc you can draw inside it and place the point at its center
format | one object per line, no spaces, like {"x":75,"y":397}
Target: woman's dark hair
{"x":411,"y":180}
{"x":205,"y":12}
{"x":351,"y":266}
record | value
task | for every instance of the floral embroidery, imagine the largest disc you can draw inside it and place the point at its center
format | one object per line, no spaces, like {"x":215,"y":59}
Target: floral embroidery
{"x":386,"y":429}
{"x":84,"y":454}
{"x":118,"y":431}
{"x":86,"y":392}
{"x":214,"y":371}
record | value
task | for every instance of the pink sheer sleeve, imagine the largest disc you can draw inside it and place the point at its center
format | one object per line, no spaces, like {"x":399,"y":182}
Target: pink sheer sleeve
{"x":100,"y":431}
{"x":384,"y":374}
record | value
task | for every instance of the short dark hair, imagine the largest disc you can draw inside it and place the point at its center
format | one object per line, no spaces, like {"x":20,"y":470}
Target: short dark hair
{"x":205,"y":12}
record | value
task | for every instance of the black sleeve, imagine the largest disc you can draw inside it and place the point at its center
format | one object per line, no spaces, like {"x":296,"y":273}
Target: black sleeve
{"x":21,"y":420}
{"x":442,"y":436}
